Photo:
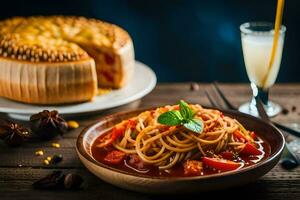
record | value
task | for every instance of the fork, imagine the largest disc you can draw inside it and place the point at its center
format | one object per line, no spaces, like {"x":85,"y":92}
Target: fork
{"x":232,"y":107}
{"x":290,"y":160}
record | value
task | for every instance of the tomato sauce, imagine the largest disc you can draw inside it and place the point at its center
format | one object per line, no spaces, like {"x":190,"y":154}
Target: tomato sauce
{"x":133,"y":165}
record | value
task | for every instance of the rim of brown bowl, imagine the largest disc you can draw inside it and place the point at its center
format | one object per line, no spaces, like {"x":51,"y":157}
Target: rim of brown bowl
{"x":274,"y":155}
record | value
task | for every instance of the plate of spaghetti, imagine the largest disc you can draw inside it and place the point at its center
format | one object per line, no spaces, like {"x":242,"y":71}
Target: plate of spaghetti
{"x":179,"y":148}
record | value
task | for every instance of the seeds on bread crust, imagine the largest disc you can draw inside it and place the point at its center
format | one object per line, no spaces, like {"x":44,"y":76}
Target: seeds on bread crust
{"x":55,"y":38}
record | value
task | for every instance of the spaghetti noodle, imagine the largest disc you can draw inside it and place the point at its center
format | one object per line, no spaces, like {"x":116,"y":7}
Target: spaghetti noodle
{"x":165,"y":146}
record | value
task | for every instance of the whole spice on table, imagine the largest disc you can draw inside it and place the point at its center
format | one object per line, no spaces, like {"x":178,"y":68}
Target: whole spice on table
{"x":49,"y":158}
{"x":56,"y":145}
{"x":73,"y":124}
{"x":46,"y":162}
{"x":13,"y":133}
{"x":58,"y":180}
{"x":56,"y":159}
{"x":73,"y":181}
{"x":39,"y":153}
{"x":48,"y":124}
{"x":285,"y":111}
{"x":194,"y":86}
{"x":53,"y":180}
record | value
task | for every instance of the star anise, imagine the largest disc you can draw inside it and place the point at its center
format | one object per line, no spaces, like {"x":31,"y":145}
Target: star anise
{"x":48,"y":124}
{"x":53,"y":180}
{"x":13,"y":134}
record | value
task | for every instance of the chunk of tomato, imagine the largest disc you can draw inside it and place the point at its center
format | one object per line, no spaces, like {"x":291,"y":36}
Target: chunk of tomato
{"x":227,"y":155}
{"x":117,"y":132}
{"x":221,"y":164}
{"x":250,"y":149}
{"x":108,"y":139}
{"x":104,"y":141}
{"x":115,"y":157}
{"x":192,"y":168}
{"x":240,"y":137}
{"x":253,"y":135}
{"x":131,"y":123}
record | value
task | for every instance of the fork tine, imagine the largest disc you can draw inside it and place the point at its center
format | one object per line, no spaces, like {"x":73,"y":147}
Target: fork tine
{"x":210,"y":99}
{"x":221,"y":94}
{"x":262,"y":113}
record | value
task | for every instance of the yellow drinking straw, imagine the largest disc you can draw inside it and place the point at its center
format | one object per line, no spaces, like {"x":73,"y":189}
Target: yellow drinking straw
{"x":278,"y":20}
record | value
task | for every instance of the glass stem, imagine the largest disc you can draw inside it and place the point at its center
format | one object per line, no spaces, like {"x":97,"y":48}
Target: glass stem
{"x":263,"y":94}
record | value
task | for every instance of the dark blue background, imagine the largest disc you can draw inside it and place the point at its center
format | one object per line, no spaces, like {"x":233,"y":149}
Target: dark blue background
{"x":182,"y":40}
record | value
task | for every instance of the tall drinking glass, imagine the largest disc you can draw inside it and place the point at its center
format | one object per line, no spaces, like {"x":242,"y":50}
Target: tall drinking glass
{"x":257,"y":42}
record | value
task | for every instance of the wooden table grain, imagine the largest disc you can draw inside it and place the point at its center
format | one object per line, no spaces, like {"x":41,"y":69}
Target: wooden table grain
{"x":20,"y":167}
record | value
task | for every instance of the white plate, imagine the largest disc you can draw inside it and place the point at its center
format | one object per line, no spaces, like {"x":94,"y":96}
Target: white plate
{"x":142,"y":83}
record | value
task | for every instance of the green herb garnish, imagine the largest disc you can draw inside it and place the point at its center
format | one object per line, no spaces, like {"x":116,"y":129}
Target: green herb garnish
{"x":185,"y":117}
{"x":133,"y":135}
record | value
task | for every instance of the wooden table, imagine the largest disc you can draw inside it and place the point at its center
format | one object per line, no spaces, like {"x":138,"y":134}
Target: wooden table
{"x":20,"y":167}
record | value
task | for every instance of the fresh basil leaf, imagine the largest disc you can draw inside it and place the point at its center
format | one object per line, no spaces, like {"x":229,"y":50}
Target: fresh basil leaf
{"x":195,"y":125}
{"x":185,"y":111}
{"x":170,"y":118}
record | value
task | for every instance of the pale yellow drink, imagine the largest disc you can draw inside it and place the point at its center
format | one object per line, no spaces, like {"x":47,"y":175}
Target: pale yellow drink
{"x":257,"y":50}
{"x":262,"y":44}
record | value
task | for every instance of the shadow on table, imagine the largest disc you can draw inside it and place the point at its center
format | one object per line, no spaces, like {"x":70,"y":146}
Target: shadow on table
{"x":255,"y":191}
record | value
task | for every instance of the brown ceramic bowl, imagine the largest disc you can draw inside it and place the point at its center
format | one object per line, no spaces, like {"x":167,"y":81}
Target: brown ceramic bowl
{"x":161,"y":185}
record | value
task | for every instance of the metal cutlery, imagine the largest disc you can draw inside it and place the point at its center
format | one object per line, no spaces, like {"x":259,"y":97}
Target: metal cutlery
{"x":230,"y":106}
{"x":290,"y":160}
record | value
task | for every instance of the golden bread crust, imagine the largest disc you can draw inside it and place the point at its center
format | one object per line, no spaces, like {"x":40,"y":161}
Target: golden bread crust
{"x":62,"y":59}
{"x":40,"y":84}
